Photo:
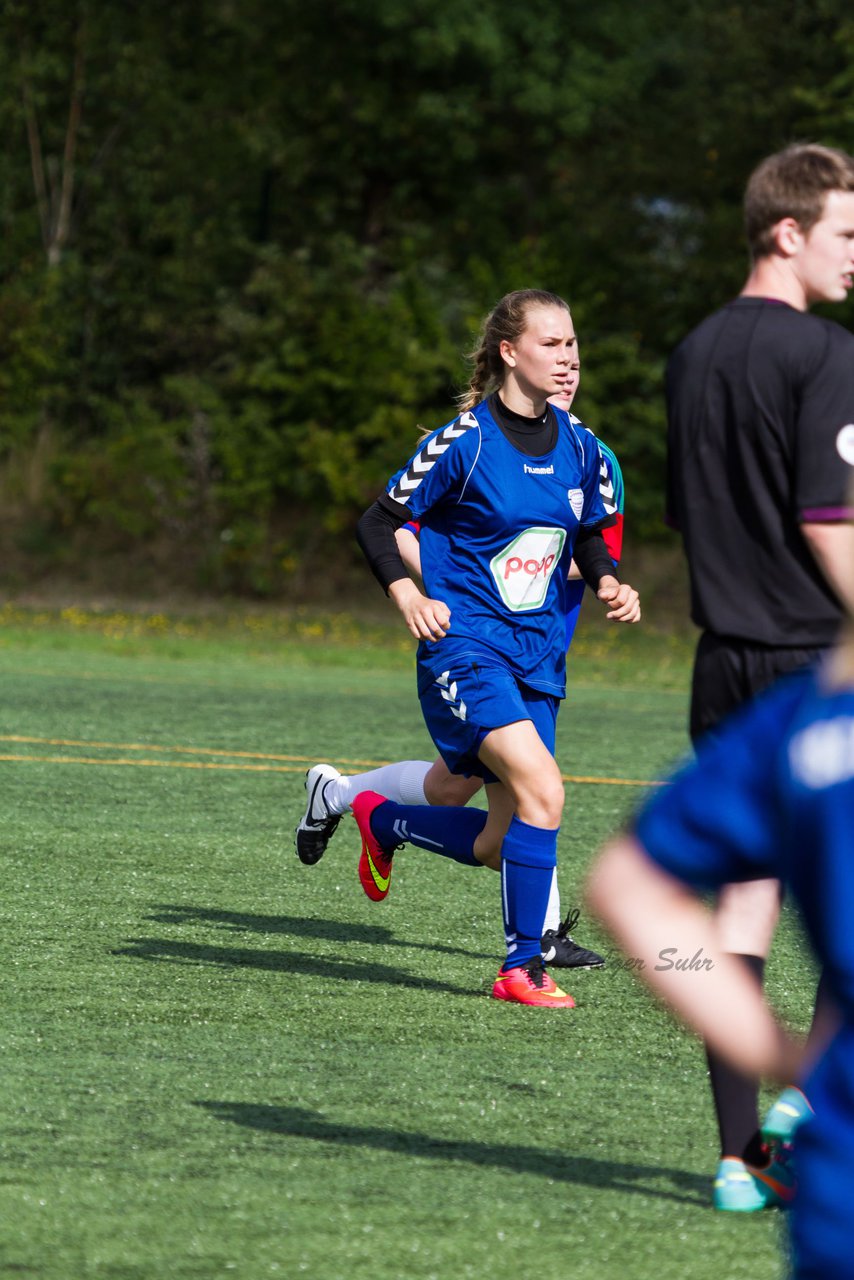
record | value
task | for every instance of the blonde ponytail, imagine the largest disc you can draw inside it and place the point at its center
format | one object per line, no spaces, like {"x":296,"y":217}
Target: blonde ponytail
{"x":482,"y":380}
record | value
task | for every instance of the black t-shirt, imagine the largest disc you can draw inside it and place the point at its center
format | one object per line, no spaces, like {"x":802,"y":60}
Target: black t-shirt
{"x":760,"y":404}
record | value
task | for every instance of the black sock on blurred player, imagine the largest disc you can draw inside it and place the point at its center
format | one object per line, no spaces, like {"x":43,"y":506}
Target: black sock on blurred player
{"x":737,"y":1098}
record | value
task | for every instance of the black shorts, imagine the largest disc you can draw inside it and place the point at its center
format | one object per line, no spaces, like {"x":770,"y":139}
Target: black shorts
{"x":728,"y":672}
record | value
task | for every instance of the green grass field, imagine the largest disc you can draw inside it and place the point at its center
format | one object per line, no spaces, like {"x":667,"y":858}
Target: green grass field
{"x":219,"y":1062}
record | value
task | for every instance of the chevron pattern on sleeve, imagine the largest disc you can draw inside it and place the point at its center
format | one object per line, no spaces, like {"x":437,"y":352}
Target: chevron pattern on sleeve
{"x":426,"y":458}
{"x":610,"y":480}
{"x":606,"y":488}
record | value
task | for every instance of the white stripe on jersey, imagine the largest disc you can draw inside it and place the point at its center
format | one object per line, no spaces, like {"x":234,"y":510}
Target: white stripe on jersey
{"x":426,"y":459}
{"x":606,"y":486}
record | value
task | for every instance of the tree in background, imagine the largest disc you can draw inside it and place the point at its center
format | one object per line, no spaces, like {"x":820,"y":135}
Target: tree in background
{"x":245,"y":245}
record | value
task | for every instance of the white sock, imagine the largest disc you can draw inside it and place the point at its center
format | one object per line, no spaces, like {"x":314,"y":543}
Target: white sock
{"x":402,"y":782}
{"x":552,"y":919}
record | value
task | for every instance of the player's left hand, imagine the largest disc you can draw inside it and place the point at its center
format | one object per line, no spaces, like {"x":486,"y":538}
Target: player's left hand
{"x":623,"y":600}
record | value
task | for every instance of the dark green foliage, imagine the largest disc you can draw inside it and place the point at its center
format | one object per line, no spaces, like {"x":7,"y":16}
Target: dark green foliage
{"x":245,"y":246}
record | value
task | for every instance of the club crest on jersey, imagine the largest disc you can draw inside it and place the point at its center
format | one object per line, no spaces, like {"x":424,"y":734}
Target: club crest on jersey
{"x":523,"y":570}
{"x":823,"y":755}
{"x":845,"y":444}
{"x":576,"y":501}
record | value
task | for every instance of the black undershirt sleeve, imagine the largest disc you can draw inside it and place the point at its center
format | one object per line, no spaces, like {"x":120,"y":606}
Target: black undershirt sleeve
{"x":375,"y":535}
{"x":593,"y":557}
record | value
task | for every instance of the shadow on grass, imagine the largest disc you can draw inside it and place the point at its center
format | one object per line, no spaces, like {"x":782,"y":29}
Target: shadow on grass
{"x":559,"y":1166}
{"x":171,"y":951}
{"x":344,"y":931}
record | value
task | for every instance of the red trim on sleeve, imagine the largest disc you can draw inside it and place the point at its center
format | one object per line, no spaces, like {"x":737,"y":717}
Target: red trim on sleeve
{"x":613,"y":536}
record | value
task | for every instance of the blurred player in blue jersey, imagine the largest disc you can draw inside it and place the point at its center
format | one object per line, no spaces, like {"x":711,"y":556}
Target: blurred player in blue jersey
{"x":771,"y":795}
{"x":507,"y":494}
{"x":329,"y":793}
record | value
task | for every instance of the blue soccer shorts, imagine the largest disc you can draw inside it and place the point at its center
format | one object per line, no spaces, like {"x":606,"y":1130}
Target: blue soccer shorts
{"x":475,"y":695}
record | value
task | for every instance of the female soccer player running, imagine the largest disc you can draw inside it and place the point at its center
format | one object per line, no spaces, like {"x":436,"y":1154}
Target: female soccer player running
{"x":329,"y":793}
{"x":508,"y":492}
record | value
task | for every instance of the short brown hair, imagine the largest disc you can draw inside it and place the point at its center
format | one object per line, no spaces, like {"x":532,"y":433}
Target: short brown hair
{"x":793,"y":183}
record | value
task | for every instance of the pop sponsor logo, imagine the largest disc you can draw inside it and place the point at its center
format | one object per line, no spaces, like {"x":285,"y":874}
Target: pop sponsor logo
{"x":533,"y":567}
{"x":523,"y":570}
{"x":845,"y":444}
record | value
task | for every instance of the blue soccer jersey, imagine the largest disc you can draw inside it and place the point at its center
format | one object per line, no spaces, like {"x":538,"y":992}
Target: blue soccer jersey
{"x":498,"y":536}
{"x":773,"y":796}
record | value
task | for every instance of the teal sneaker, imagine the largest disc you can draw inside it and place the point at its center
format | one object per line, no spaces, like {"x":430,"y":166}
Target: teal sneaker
{"x":742,"y":1188}
{"x":785,"y":1115}
{"x":735,"y":1190}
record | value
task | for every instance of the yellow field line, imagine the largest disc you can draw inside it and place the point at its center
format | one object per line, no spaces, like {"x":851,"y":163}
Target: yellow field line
{"x":298,"y":767}
{"x":158,"y":764}
{"x":190,"y":751}
{"x":612,"y":782}
{"x":183,"y":750}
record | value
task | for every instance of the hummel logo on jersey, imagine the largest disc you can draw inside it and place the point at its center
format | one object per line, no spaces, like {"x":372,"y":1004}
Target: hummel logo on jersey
{"x":426,"y":459}
{"x":539,"y":471}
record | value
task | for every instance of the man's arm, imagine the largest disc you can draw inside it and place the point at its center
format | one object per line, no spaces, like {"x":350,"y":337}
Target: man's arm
{"x":832,"y":547}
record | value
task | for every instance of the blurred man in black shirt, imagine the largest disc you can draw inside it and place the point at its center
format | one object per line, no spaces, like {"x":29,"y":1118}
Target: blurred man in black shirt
{"x":760,"y":401}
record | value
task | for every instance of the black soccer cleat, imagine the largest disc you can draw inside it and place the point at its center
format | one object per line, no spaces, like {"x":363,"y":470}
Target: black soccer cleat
{"x":317,"y":825}
{"x":560,"y":951}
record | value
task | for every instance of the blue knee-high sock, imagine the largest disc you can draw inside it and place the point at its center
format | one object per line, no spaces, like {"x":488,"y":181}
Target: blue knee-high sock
{"x":528,"y":858}
{"x":450,"y":830}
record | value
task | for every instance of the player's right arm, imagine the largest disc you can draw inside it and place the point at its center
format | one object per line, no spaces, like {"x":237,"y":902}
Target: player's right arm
{"x":425,"y":619}
{"x":437,"y":473}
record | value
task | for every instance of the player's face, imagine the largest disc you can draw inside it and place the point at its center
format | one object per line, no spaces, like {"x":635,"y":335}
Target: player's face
{"x":826,"y":260}
{"x":564,"y":398}
{"x":540,"y":359}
